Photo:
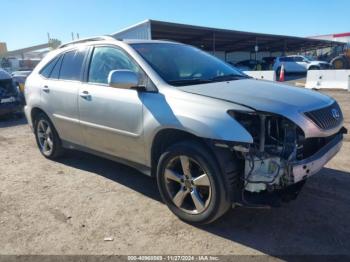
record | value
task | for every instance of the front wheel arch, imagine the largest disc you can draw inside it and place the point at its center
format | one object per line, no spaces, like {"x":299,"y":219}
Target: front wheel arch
{"x":166,"y":138}
{"x":230,"y":166}
{"x":219,"y":204}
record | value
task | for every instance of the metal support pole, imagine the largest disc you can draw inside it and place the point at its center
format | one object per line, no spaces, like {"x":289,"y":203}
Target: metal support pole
{"x":285,"y":48}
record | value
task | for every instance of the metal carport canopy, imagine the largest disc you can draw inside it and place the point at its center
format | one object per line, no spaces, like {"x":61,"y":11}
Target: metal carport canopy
{"x":214,"y":39}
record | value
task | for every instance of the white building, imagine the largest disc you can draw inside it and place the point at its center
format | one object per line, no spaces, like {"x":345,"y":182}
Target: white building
{"x":343,"y":37}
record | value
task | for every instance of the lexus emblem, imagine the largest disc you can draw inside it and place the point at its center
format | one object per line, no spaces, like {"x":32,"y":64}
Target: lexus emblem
{"x":335,"y":113}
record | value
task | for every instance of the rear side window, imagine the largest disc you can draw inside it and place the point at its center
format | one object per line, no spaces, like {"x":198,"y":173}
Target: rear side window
{"x":72,"y":64}
{"x":56,"y":70}
{"x":46,"y":71}
{"x":286,"y":59}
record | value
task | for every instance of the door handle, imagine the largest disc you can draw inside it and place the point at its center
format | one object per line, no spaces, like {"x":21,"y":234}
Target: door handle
{"x":85,"y":95}
{"x":46,"y":89}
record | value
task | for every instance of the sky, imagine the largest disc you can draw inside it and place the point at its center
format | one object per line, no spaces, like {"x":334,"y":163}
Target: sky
{"x":26,"y":23}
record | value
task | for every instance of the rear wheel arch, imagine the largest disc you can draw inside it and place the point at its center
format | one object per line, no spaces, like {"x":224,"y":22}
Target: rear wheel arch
{"x":45,"y":132}
{"x":35,"y":112}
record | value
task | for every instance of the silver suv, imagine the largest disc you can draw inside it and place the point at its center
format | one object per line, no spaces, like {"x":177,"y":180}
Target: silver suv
{"x":211,"y":136}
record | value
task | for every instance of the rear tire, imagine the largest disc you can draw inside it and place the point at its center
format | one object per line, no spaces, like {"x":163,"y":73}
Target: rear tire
{"x":195,"y":192}
{"x":47,"y":138}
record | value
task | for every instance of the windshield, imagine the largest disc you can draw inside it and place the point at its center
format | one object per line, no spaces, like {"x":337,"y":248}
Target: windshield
{"x":181,"y":65}
{"x":310,"y":58}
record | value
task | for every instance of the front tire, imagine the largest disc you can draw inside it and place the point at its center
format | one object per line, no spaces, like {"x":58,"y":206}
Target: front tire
{"x":47,"y":138}
{"x":191,"y":184}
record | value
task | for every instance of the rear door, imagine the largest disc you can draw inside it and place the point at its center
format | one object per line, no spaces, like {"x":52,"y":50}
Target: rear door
{"x":59,"y":94}
{"x":111,"y":118}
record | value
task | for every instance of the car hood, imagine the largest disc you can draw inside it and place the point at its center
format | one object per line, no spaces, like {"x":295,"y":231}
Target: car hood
{"x":264,"y":96}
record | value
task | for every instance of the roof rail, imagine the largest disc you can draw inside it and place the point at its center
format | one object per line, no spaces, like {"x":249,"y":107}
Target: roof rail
{"x":97,"y":38}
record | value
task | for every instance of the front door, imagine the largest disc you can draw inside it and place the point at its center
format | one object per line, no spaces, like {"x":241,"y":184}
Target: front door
{"x":300,"y":64}
{"x":111,"y":118}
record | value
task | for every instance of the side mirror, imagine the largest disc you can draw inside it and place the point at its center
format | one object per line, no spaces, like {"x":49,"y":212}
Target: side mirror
{"x":125,"y":79}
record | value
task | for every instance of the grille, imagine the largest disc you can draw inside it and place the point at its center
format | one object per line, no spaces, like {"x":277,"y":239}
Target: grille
{"x":327,"y":117}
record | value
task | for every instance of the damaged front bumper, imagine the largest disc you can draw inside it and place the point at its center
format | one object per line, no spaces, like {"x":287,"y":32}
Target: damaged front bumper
{"x":300,"y":170}
{"x":273,"y":172}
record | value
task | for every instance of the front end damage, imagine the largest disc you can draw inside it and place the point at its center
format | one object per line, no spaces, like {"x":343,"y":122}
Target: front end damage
{"x":280,"y":158}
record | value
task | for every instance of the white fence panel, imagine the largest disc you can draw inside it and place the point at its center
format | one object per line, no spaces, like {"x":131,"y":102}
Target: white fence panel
{"x":330,"y":79}
{"x":262,"y":75}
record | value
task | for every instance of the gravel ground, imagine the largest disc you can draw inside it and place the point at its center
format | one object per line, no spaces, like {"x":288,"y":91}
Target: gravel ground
{"x":70,"y":206}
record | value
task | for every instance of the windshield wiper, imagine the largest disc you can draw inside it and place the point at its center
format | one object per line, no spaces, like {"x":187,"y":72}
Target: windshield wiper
{"x":191,"y":81}
{"x":228,"y":77}
{"x":196,"y":81}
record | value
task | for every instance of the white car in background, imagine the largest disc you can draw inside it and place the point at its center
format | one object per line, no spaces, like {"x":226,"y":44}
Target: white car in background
{"x":298,"y":64}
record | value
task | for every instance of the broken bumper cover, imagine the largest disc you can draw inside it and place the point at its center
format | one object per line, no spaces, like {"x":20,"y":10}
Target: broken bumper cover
{"x":311,"y":165}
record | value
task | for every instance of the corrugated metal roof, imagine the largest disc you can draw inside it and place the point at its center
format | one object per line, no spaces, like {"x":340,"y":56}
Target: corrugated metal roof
{"x":209,"y":38}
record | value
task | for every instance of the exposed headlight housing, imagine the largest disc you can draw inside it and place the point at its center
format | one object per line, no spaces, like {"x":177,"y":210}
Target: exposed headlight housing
{"x":249,"y":120}
{"x":270,"y":132}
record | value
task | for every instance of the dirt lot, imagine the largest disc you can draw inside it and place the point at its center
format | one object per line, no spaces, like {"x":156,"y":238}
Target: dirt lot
{"x":70,"y":206}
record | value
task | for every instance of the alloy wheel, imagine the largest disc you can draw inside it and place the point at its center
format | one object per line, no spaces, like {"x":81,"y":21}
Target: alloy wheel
{"x":187,"y":184}
{"x":45,"y":138}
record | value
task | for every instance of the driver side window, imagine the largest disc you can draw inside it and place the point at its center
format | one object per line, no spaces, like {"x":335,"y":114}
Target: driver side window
{"x":105,"y":59}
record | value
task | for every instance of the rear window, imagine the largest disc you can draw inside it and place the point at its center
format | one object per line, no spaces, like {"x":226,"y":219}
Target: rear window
{"x":72,"y":64}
